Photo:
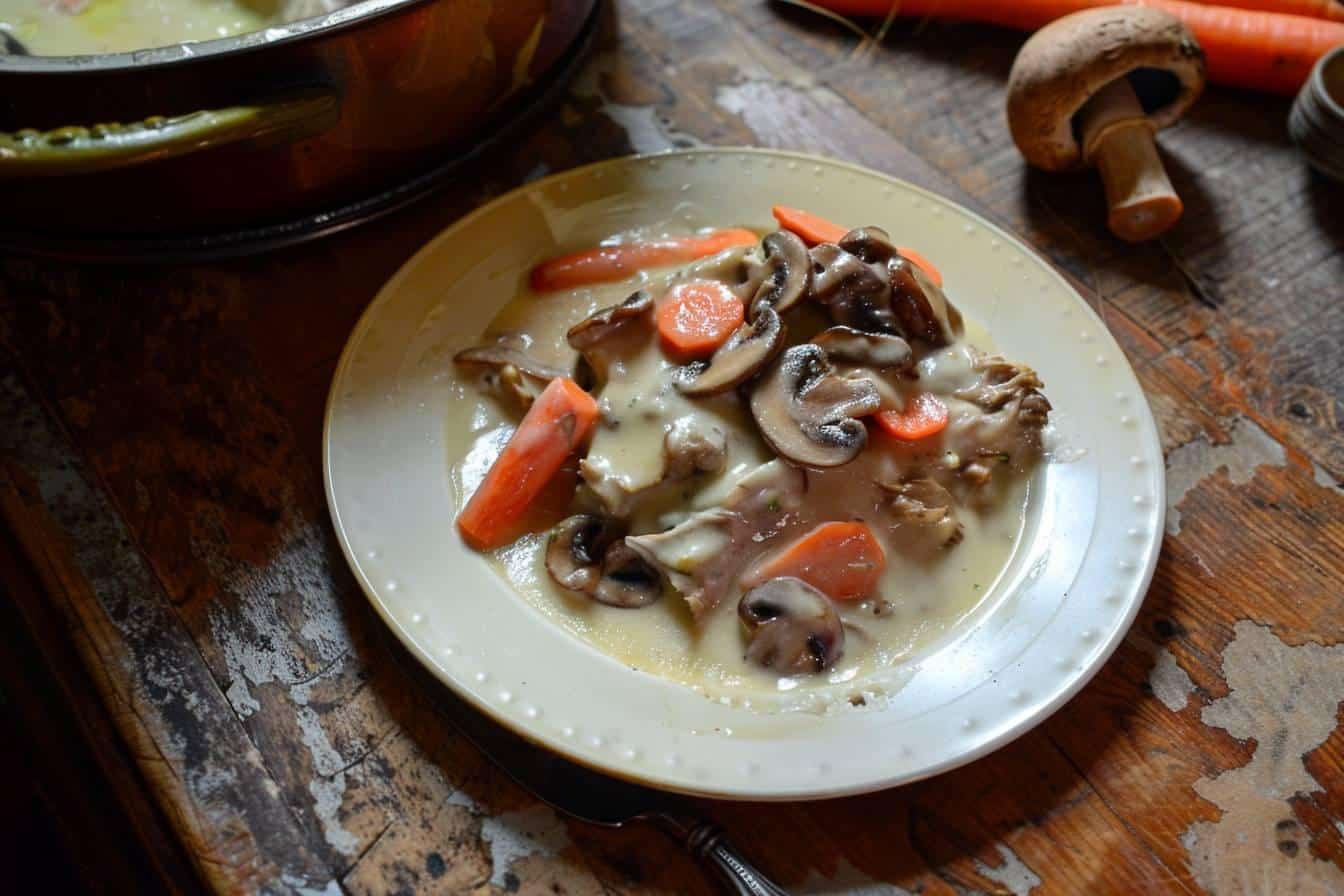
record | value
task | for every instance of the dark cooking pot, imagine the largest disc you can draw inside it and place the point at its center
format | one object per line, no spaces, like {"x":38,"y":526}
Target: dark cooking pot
{"x":292,"y":126}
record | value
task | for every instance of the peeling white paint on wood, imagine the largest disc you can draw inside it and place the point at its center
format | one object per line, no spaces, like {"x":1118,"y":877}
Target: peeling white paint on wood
{"x":513,"y":836}
{"x":1321,"y":476}
{"x":1170,"y":683}
{"x":1248,"y":447}
{"x":1285,"y":699}
{"x":644,"y":128}
{"x":328,"y":783}
{"x":1013,"y":874}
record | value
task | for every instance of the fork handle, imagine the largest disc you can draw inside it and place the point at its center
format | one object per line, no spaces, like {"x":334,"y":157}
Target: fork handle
{"x":707,"y":842}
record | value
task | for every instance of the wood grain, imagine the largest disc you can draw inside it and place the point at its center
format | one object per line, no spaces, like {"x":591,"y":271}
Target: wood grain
{"x":169,"y":420}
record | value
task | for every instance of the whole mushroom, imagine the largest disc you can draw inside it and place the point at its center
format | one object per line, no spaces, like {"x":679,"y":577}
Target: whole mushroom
{"x":1092,"y":88}
{"x":792,"y":627}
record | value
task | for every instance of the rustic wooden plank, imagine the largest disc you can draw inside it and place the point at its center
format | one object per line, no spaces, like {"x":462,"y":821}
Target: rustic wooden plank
{"x":209,"y":779}
{"x":1144,"y":782}
{"x":85,"y":802}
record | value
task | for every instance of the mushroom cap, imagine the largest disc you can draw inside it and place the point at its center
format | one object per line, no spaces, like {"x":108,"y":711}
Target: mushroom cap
{"x":1065,"y":63}
{"x":881,"y":351}
{"x":602,"y":324}
{"x":587,"y":553}
{"x":781,"y":277}
{"x":750,"y":347}
{"x":792,"y":627}
{"x":808,"y":413}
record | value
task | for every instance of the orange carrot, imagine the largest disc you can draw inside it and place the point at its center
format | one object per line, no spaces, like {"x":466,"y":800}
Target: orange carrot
{"x":1312,"y":9}
{"x":809,"y":228}
{"x":1259,"y":50}
{"x":813,"y":229}
{"x":696,"y":317}
{"x":924,"y":417}
{"x":844,"y":561}
{"x":923,"y":264}
{"x":557,"y":423}
{"x":606,"y":264}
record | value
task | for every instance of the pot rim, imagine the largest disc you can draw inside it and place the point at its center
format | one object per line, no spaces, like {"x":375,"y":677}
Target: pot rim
{"x":193,"y":51}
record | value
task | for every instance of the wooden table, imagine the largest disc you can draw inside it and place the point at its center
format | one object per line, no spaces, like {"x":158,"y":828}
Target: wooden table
{"x":241,"y":711}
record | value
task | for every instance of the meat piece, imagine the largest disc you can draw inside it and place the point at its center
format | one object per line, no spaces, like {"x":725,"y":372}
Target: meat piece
{"x":1008,"y":429}
{"x":927,"y":507}
{"x":692,"y":446}
{"x":696,"y":556}
{"x":620,"y":468}
{"x":702,"y":556}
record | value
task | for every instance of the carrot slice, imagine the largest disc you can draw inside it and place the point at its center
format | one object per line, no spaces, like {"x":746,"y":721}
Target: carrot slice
{"x":844,"y":561}
{"x":557,"y":423}
{"x":696,"y":317}
{"x":924,"y":417}
{"x":607,"y":264}
{"x":813,"y":229}
{"x":923,"y":264}
{"x":809,"y":228}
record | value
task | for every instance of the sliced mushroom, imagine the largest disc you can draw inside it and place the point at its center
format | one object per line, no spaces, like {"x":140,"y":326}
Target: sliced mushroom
{"x":807,"y":412}
{"x":781,"y":277}
{"x":692,"y":446}
{"x":880,"y":351}
{"x":751,"y":346}
{"x":627,"y":581}
{"x":856,"y":293}
{"x":870,"y":244}
{"x":793,"y":628}
{"x":576,"y":548}
{"x":927,"y":505}
{"x":921,"y":306}
{"x":587,"y":553}
{"x":508,"y":366}
{"x":600,"y":335}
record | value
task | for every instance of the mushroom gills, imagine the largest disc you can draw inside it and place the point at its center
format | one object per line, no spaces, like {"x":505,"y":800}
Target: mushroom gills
{"x":588,"y":554}
{"x":779,"y":277}
{"x":807,"y":412}
{"x":792,"y":628}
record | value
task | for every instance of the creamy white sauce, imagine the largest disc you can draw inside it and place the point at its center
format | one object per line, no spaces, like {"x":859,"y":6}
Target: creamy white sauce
{"x":73,"y":27}
{"x":922,"y":597}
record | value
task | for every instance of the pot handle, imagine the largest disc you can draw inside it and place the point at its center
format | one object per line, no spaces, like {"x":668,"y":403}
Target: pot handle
{"x":77,"y":149}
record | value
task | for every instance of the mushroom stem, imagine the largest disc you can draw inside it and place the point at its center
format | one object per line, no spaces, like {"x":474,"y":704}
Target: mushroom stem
{"x":1117,"y":138}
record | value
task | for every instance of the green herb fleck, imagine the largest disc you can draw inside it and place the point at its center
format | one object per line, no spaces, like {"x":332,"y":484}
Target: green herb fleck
{"x":773,"y":506}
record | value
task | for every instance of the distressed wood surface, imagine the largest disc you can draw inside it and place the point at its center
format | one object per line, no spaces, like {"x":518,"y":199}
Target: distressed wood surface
{"x":163,"y":478}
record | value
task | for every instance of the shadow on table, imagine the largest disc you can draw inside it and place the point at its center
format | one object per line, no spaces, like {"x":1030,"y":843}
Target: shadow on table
{"x":954,"y":826}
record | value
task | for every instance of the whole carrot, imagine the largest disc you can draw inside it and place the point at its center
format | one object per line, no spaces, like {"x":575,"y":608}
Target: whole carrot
{"x":1332,"y":10}
{"x":1250,"y":48}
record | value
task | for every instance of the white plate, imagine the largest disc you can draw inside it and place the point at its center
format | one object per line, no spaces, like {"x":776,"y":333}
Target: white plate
{"x":1072,"y":591}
